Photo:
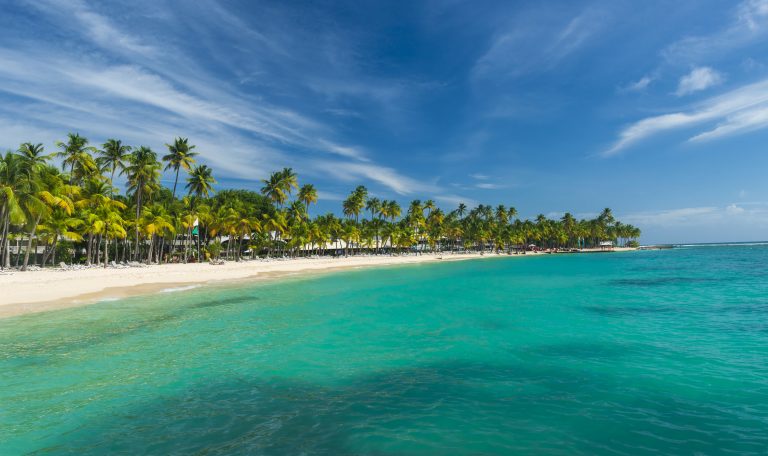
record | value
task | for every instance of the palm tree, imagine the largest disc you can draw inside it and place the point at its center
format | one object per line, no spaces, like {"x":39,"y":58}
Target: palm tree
{"x":373,"y":205}
{"x":77,"y":155}
{"x":461,"y":210}
{"x":155,"y":222}
{"x":59,"y":225}
{"x":354,"y":204}
{"x":288,"y":180}
{"x":393,"y":209}
{"x":179,"y":155}
{"x":307,"y":195}
{"x":14,"y":182}
{"x":113,"y":156}
{"x":47,"y":192}
{"x":274,"y":188}
{"x":429,"y":206}
{"x":143,"y":178}
{"x":32,"y":158}
{"x":200,"y":181}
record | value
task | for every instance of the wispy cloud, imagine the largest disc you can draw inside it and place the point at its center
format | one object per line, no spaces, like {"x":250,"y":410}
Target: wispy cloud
{"x":488,"y":186}
{"x":671,"y":216}
{"x":748,"y":24}
{"x":741,"y":110}
{"x":355,"y":172}
{"x":98,"y":28}
{"x":455,"y":200}
{"x":733,"y":213}
{"x":523,"y":47}
{"x":638,"y":85}
{"x":698,"y":79}
{"x":108,"y":80}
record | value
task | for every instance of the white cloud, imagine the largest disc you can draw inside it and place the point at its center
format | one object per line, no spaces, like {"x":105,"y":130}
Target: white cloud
{"x":98,"y":28}
{"x":698,"y":79}
{"x":479,"y":176}
{"x":734,"y":209}
{"x":672,"y":216}
{"x":737,"y":214}
{"x":753,"y":14}
{"x":639,"y":85}
{"x":354,"y":172}
{"x":537,"y":42}
{"x":738,"y":111}
{"x":455,"y":200}
{"x":488,"y":186}
{"x":330,"y":196}
{"x":131,"y":75}
{"x":748,"y":24}
{"x":743,"y":221}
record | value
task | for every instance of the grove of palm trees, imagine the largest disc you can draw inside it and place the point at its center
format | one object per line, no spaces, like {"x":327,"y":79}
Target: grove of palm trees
{"x":74,"y":213}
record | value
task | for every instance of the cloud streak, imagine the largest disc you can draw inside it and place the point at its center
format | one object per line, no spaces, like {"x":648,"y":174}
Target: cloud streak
{"x":698,"y":79}
{"x":741,"y":110}
{"x":522,"y":48}
{"x":748,"y":24}
{"x":106,"y":81}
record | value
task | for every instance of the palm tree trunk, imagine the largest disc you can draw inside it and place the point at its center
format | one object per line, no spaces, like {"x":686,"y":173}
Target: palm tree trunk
{"x":176,"y":181}
{"x":106,"y":249}
{"x":138,"y":213}
{"x":5,"y":248}
{"x":18,"y":252}
{"x":88,"y":253}
{"x":29,"y":243}
{"x":149,"y":249}
{"x":49,"y":249}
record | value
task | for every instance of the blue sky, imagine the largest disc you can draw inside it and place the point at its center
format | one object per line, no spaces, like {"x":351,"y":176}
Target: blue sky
{"x":656,"y":109}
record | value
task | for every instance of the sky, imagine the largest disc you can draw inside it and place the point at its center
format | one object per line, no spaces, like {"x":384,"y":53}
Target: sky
{"x":655,"y":109}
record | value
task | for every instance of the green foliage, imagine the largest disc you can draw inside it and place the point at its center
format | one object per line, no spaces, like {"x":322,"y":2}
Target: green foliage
{"x":80,"y":211}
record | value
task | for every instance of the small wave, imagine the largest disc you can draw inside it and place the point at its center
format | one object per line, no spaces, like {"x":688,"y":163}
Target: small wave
{"x":175,"y":289}
{"x":109,"y":299}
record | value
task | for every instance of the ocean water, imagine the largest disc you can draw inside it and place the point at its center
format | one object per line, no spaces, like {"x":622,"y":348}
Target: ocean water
{"x":657,"y":352}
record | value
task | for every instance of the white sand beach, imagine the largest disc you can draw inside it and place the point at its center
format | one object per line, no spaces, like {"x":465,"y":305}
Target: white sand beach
{"x":51,"y":289}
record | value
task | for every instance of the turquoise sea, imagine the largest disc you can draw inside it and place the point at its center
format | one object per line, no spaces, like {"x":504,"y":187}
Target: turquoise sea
{"x":656,"y":352}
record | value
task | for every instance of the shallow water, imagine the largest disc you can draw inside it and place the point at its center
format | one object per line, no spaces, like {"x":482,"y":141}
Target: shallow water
{"x":627,"y":353}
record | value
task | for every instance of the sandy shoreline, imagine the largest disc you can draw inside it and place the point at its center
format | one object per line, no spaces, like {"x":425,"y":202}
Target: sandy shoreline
{"x":39,"y":291}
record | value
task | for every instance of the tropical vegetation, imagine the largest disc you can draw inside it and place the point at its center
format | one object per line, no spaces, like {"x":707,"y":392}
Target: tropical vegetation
{"x":66,"y":207}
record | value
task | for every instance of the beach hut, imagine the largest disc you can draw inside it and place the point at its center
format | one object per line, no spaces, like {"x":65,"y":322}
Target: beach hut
{"x":606,"y":245}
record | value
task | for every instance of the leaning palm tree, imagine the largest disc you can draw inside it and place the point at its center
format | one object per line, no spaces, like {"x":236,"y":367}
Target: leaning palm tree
{"x":179,"y":156}
{"x":113,"y":157}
